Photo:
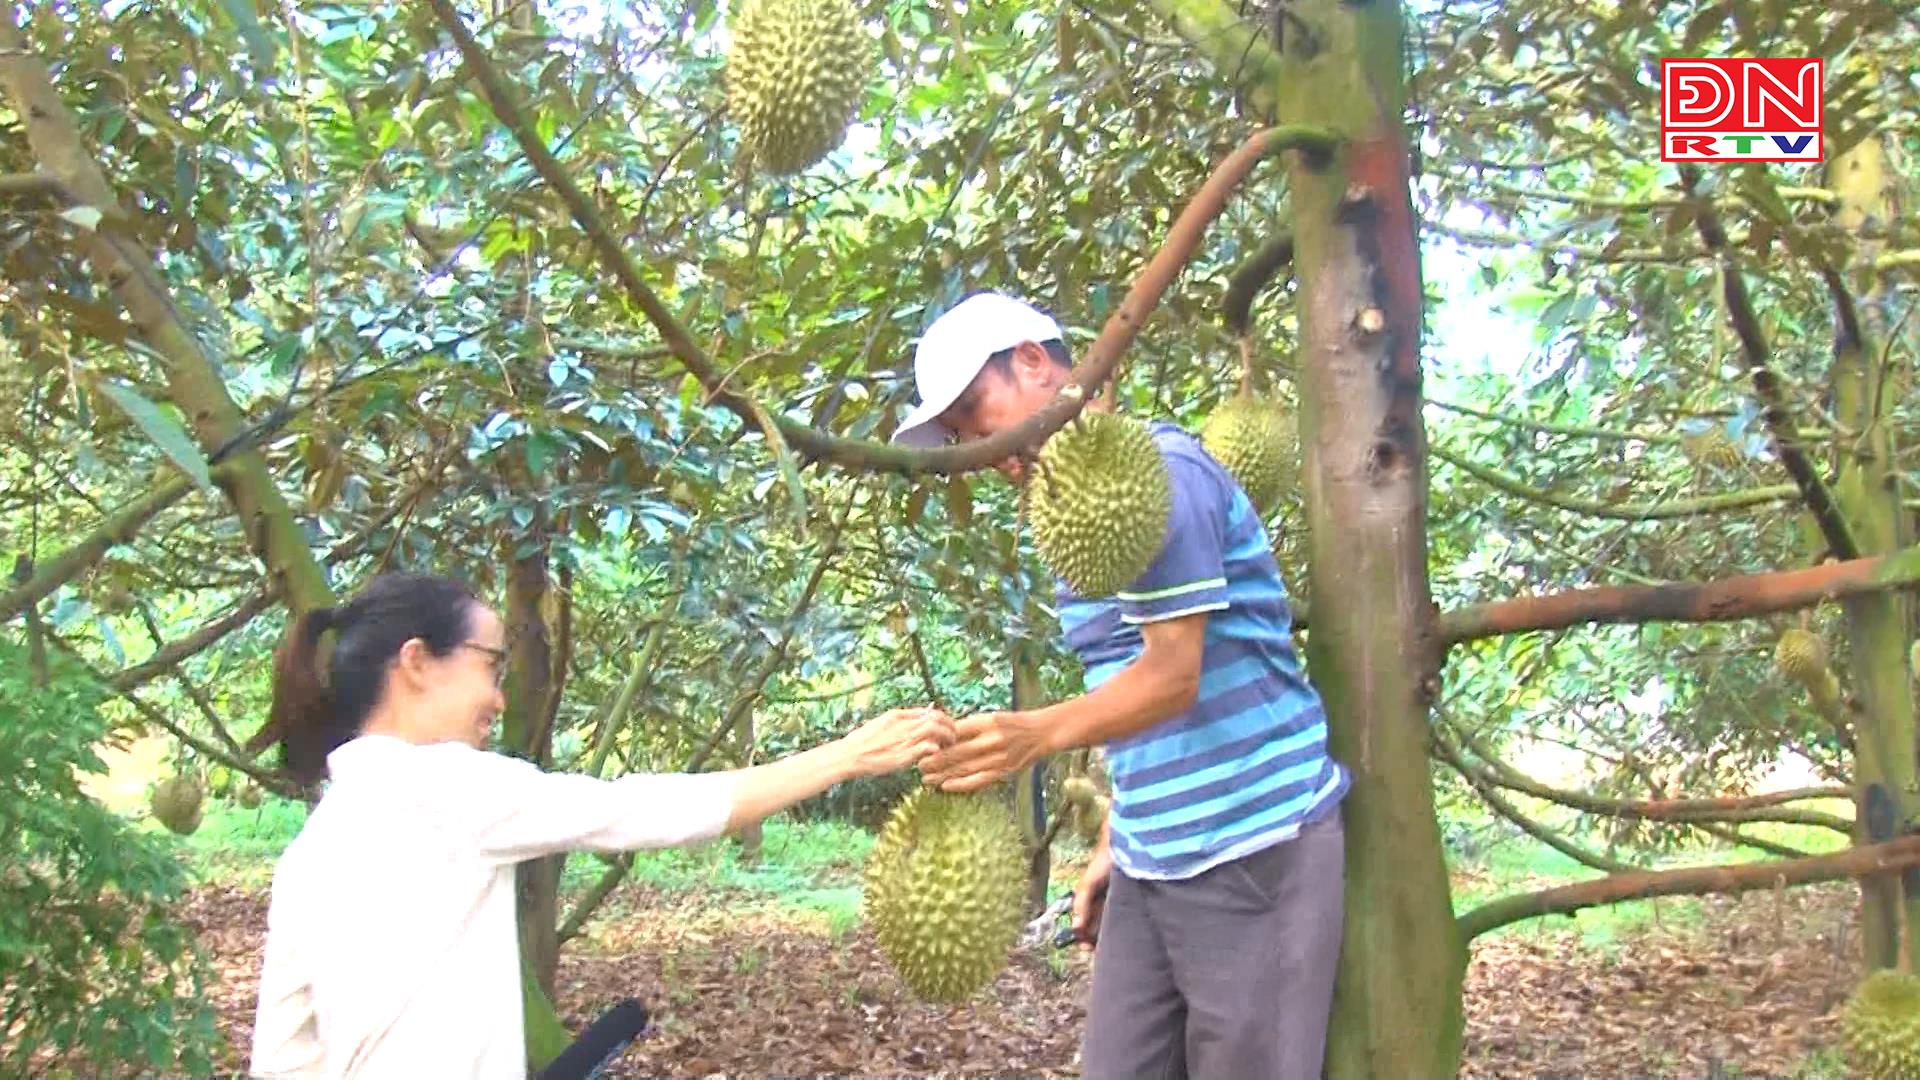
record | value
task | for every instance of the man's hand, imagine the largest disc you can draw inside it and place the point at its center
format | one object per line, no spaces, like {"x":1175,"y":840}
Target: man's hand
{"x":987,"y":747}
{"x":1090,"y":895}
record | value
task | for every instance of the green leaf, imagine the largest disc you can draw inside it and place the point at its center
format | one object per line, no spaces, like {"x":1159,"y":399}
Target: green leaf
{"x":259,"y":43}
{"x":163,"y":430}
{"x":960,"y":500}
{"x":539,"y":454}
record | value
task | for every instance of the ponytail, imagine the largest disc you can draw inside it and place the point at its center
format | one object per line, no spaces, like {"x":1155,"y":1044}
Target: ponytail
{"x":321,"y":701}
{"x":302,"y":716}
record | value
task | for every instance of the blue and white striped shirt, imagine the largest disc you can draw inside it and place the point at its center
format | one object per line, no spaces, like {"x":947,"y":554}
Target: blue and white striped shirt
{"x":1247,"y":765}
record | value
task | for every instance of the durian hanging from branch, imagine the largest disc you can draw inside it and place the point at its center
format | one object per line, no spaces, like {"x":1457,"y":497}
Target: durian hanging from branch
{"x":1099,"y":500}
{"x":796,"y":71}
{"x":1253,"y":437}
{"x":946,"y":891}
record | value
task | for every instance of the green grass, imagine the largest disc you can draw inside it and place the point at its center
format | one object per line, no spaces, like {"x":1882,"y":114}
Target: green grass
{"x":812,"y":869}
{"x":807,"y":867}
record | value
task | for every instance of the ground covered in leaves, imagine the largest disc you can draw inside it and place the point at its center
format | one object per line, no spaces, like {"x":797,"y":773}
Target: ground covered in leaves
{"x":1738,"y":987}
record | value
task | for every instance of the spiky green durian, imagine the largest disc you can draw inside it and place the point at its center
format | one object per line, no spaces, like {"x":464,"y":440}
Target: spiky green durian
{"x":176,"y":803}
{"x":1801,"y":656}
{"x":1711,"y":449}
{"x":1880,"y":1027}
{"x":796,"y":71}
{"x":946,"y":891}
{"x":1099,"y":501}
{"x":1253,"y":439}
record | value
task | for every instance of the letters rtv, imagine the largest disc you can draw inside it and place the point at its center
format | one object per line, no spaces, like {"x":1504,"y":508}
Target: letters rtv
{"x":1742,"y":108}
{"x":1746,"y":146}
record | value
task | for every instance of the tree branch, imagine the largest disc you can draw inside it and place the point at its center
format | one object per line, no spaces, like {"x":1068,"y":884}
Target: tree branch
{"x":1733,"y":835}
{"x":28,"y":184}
{"x":167,"y":657}
{"x":1766,"y":386}
{"x":1682,"y":811}
{"x":1236,"y":48}
{"x":1708,"y":504}
{"x":69,"y":564}
{"x":193,"y":383}
{"x":816,"y":445}
{"x":1250,"y":277}
{"x":1487,"y":790}
{"x":1742,"y":597}
{"x":610,"y":879}
{"x":1658,"y":202}
{"x":1872,"y":861}
{"x":1662,"y":438}
{"x":272,"y":781}
{"x":1486,"y":238}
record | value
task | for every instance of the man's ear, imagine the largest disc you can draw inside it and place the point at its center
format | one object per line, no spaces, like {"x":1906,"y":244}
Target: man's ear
{"x":1035,"y":364}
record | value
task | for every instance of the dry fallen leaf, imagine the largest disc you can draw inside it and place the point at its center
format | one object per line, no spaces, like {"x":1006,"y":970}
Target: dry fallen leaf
{"x":754,"y":995}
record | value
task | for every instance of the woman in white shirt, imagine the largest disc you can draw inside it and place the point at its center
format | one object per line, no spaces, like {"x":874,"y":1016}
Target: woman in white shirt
{"x":392,"y":944}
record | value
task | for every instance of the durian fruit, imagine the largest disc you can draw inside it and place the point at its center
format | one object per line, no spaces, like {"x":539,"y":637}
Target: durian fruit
{"x":248,"y":795}
{"x":1083,"y":806}
{"x":1090,"y":816}
{"x":795,"y":73}
{"x":1880,"y":1027}
{"x":1711,"y":449}
{"x":1099,"y":501}
{"x":177,"y":803}
{"x":1253,"y":438}
{"x":1801,"y":656}
{"x":1078,"y":791}
{"x":946,"y":891}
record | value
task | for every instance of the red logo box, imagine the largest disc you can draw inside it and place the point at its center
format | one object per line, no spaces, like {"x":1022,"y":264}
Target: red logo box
{"x":1720,"y":109}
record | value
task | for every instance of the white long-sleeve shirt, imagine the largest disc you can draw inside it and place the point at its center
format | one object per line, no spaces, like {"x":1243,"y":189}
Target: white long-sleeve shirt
{"x":392,"y":947}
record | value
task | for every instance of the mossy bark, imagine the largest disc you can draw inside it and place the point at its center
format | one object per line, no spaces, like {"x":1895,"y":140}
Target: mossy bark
{"x":1876,"y":623}
{"x":1029,"y":785}
{"x":524,"y":732}
{"x":193,"y":381}
{"x":1374,"y":647}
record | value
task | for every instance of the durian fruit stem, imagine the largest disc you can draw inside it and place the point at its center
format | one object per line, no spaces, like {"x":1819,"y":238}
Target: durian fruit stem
{"x":1246,"y":365}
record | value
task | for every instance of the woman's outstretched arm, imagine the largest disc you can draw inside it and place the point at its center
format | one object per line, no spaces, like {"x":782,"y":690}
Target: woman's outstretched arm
{"x":518,"y":811}
{"x":888,"y":742}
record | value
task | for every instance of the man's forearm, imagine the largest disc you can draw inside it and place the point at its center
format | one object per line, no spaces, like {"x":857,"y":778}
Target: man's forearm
{"x":1143,"y":694}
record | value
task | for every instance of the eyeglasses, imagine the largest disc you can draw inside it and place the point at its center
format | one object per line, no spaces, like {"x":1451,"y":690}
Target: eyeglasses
{"x":499,"y":657}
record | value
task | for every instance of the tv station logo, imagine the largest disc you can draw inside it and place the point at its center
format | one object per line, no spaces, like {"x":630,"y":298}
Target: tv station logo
{"x":1742,"y":110}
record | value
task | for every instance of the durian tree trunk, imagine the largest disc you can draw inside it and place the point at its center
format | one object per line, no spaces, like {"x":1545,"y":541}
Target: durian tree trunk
{"x":1029,"y":785}
{"x":1867,"y":487}
{"x":525,"y":732}
{"x":1374,"y":648}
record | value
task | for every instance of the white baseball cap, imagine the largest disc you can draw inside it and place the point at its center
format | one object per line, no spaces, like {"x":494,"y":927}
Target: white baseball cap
{"x":954,"y":349}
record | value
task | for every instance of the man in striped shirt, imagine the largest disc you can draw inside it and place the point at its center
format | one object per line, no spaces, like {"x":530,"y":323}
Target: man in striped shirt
{"x":1219,"y":874}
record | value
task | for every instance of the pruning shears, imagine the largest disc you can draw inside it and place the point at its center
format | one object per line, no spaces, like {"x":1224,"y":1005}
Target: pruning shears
{"x":1042,"y":924}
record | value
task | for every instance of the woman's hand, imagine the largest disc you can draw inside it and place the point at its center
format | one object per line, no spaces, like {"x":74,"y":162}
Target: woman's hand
{"x":896,"y":739}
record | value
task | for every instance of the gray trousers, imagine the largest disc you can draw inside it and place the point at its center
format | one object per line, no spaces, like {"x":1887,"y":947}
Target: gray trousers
{"x":1223,"y":976}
